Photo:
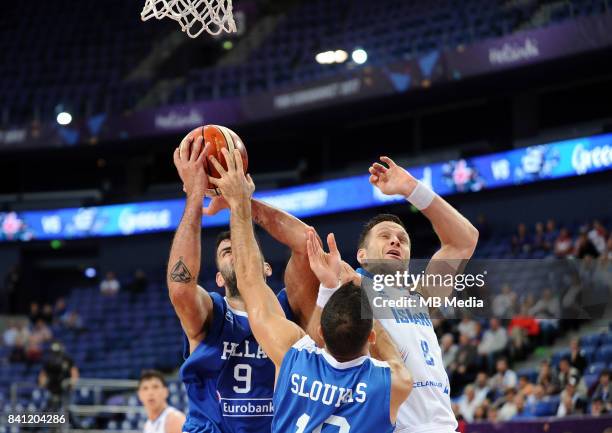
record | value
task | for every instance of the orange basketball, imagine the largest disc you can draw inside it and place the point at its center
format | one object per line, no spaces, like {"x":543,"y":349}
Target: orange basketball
{"x":219,"y":137}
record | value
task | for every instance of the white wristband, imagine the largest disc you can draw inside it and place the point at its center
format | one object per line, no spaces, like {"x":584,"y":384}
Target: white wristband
{"x":324,"y":294}
{"x":421,"y":197}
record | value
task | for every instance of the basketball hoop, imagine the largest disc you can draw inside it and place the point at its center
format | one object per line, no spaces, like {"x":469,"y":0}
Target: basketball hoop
{"x":194,"y":16}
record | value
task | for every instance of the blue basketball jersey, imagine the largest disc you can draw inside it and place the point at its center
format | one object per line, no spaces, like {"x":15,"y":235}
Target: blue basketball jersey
{"x":228,"y":377}
{"x":316,"y":393}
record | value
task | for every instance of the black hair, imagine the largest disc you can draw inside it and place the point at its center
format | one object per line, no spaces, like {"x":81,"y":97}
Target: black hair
{"x":152,"y":374}
{"x":227,"y":235}
{"x":344,"y":329}
{"x":365,"y":231}
{"x":224,"y":235}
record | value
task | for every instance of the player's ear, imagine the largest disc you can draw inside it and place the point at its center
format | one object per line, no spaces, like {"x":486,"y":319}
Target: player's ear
{"x":166,"y":393}
{"x":219,"y":280}
{"x":267,"y":269}
{"x":372,"y":337}
{"x":361,"y":255}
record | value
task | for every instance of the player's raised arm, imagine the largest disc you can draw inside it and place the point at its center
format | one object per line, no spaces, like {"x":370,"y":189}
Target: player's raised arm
{"x":191,"y":302}
{"x":458,"y":237}
{"x":331,"y":271}
{"x":300,"y":282}
{"x":401,"y":378}
{"x":270,"y":327}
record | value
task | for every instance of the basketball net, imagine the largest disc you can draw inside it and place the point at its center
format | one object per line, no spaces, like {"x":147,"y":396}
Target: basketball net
{"x":194,"y":16}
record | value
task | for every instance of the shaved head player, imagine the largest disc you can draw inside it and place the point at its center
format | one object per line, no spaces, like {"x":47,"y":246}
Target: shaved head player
{"x":228,"y":376}
{"x":384,"y":248}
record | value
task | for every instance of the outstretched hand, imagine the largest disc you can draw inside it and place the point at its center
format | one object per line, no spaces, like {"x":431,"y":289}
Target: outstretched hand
{"x":326,"y":266}
{"x":234,"y":186}
{"x":393,"y":179}
{"x":188,"y":159}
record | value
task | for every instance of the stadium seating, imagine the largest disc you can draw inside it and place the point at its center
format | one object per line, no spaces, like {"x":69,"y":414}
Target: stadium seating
{"x":388,"y":30}
{"x":44,"y":68}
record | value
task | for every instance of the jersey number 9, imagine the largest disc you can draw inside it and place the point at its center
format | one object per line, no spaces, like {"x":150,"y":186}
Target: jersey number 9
{"x":242,"y":374}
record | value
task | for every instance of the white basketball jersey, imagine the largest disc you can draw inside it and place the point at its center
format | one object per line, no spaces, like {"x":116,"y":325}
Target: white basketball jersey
{"x":158,"y":425}
{"x":428,"y":407}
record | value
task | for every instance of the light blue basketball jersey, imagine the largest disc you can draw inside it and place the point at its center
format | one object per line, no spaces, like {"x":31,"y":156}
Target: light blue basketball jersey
{"x":228,"y":377}
{"x":316,"y":394}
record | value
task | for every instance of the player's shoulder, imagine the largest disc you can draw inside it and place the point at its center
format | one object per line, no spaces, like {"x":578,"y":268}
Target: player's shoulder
{"x":305,"y":343}
{"x":174,"y":420}
{"x":378,"y":363}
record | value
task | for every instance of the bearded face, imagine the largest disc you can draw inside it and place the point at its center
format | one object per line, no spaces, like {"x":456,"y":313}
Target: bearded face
{"x":231,"y":284}
{"x":225,"y":265}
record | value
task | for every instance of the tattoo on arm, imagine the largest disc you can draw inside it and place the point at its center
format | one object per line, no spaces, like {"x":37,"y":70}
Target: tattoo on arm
{"x":180,"y":273}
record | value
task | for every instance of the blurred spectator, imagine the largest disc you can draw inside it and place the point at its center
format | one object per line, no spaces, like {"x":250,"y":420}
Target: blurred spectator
{"x":598,"y":236}
{"x":110,"y":285}
{"x":57,"y":368}
{"x":35,"y":313}
{"x":73,"y":321}
{"x":598,"y":407}
{"x":584,"y":247}
{"x":480,"y":414}
{"x":469,"y":327}
{"x":10,"y":335}
{"x":609,"y":247}
{"x":571,"y":403}
{"x":60,"y":308}
{"x":138,"y":285}
{"x":547,"y":311}
{"x":566,"y":407}
{"x":47,"y":314}
{"x":520,"y":241}
{"x":481,"y":386}
{"x":547,"y":379}
{"x":525,"y":388}
{"x":566,"y":373}
{"x":538,"y":395}
{"x":492,"y":414}
{"x":494,"y":342}
{"x":603,"y":391}
{"x":563,"y":244}
{"x":449,"y":349}
{"x":551,"y":234}
{"x":522,"y":411}
{"x":40,"y":335}
{"x":24,"y":332}
{"x":539,"y":238}
{"x":442,"y":326}
{"x":504,"y":377}
{"x":509,"y":407}
{"x":547,"y":307}
{"x":464,"y":368}
{"x":571,"y":303}
{"x":468,"y":403}
{"x":576,"y":359}
{"x":522,"y":327}
{"x":504,"y":303}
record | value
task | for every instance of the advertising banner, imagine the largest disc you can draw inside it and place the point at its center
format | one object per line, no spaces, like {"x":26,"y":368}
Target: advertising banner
{"x":574,"y":157}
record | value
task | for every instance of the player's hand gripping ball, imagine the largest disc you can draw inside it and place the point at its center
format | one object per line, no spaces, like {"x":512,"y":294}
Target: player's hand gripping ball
{"x":216,"y":138}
